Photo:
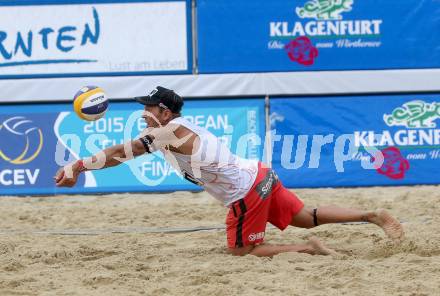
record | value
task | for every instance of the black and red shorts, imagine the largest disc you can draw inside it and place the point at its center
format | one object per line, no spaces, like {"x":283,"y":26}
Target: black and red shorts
{"x":267,"y":201}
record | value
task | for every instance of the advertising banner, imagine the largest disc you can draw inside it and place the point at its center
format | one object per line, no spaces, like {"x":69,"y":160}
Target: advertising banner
{"x":95,"y":39}
{"x":303,"y":35}
{"x":36,"y":142}
{"x":27,"y":149}
{"x":355,"y":141}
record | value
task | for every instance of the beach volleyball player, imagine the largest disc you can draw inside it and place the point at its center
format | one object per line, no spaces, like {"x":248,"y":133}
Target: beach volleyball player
{"x":252,"y":192}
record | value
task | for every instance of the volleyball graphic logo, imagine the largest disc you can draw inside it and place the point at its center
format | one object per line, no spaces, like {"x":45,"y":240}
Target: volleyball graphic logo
{"x":22,"y":140}
{"x":90,"y":103}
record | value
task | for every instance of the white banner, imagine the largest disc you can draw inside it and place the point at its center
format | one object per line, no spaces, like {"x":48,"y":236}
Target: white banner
{"x":93,"y":38}
{"x":224,"y":85}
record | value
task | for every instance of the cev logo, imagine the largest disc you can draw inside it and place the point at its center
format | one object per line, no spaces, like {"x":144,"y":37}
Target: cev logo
{"x":23,"y":129}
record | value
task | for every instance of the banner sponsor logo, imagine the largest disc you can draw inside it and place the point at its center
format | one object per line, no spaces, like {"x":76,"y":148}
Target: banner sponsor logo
{"x":324,"y":9}
{"x":20,"y":48}
{"x":394,"y":163}
{"x":22,"y":143}
{"x":321,"y":23}
{"x":417,"y":116}
{"x":420,"y":137}
{"x":86,"y":38}
{"x":357,"y":141}
{"x":28,"y":134}
{"x":302,"y":51}
{"x":414,"y":114}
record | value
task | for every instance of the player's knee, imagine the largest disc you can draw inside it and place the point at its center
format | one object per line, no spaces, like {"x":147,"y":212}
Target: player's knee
{"x":304,"y":219}
{"x":311,"y":214}
{"x":240,"y":251}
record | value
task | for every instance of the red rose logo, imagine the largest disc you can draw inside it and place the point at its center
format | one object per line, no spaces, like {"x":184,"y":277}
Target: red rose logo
{"x":301,"y":50}
{"x":394,"y":164}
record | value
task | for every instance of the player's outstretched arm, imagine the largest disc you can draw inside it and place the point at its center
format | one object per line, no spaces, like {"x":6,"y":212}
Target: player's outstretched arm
{"x":109,"y":157}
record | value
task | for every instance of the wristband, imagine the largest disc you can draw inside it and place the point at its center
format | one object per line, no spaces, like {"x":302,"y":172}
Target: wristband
{"x":81,"y":167}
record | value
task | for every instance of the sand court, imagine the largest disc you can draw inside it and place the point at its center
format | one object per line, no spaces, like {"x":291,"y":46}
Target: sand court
{"x":113,"y":245}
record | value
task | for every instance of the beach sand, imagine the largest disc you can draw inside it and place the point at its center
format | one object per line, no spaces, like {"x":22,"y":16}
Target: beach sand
{"x":106,"y":245}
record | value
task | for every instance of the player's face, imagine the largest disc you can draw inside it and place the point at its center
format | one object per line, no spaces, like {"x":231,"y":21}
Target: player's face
{"x":155,"y":116}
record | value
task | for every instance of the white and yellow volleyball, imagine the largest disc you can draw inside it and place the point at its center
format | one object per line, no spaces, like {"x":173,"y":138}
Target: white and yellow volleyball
{"x":90,"y":103}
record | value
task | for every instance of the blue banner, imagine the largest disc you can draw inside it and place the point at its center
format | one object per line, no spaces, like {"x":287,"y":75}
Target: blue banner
{"x":355,"y":141}
{"x":284,"y":35}
{"x":27,"y":149}
{"x":37,"y":142}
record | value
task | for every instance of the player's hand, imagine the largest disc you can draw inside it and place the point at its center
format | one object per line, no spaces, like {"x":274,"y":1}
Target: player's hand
{"x":67,"y":176}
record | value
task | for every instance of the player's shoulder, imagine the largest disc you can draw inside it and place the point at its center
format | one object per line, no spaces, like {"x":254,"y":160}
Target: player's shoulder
{"x":180,"y":121}
{"x":181,"y":125}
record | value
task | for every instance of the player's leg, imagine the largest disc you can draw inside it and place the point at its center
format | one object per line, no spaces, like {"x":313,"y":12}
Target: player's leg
{"x":308,"y":218}
{"x":246,"y":225}
{"x":312,"y":247}
{"x":288,"y":209}
{"x":247,"y":237}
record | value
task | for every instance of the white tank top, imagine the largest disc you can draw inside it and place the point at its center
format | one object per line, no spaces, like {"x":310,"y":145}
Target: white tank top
{"x":222,"y":174}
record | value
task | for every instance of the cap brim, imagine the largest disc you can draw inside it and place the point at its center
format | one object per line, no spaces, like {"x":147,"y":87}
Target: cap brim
{"x":147,"y":100}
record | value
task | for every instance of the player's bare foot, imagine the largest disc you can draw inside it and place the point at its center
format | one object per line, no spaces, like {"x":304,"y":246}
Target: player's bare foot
{"x":318,"y":248}
{"x":390,"y":225}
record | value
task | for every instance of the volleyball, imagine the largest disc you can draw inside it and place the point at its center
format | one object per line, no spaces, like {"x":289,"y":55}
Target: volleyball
{"x":90,"y":103}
